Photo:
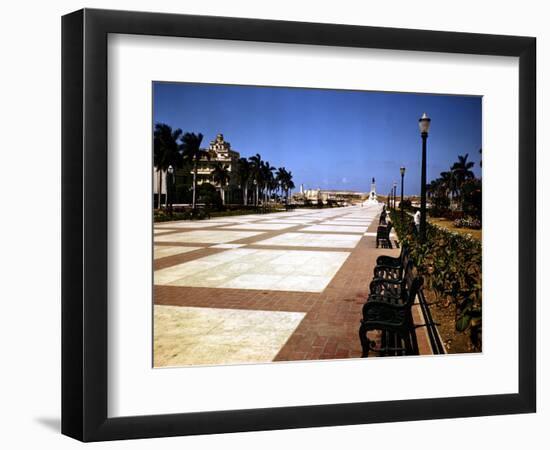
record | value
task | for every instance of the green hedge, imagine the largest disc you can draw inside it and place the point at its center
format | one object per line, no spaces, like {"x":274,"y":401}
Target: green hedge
{"x":164,"y":216}
{"x":451,"y":266}
{"x":206,"y":213}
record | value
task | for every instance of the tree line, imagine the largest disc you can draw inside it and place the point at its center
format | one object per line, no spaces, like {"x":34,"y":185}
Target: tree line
{"x":257,"y":179}
{"x":457,"y":189}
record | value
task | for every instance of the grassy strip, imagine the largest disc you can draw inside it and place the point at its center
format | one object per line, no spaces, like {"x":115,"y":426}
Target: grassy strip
{"x":449,"y":225}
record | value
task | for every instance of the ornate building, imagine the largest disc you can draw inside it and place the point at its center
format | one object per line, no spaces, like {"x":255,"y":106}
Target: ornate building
{"x":220,"y":152}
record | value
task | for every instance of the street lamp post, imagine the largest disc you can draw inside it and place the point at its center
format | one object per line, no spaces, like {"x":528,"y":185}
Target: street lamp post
{"x":394,"y":195}
{"x":169,"y":186}
{"x":402,"y":171}
{"x":424,"y":125}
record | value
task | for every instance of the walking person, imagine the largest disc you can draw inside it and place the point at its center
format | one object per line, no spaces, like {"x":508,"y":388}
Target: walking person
{"x":417,"y":221}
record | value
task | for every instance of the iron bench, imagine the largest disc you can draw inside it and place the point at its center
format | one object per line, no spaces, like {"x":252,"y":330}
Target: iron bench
{"x":388,"y":267}
{"x":383,"y":236}
{"x":392,"y":316}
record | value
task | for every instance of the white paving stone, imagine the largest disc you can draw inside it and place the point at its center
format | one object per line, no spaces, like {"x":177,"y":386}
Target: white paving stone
{"x":246,"y":268}
{"x":313,"y":240}
{"x":259,"y":226}
{"x":292,"y":221}
{"x":206,"y":336}
{"x":336,"y":228}
{"x":162,"y":251}
{"x":354,"y":223}
{"x":207,"y":236}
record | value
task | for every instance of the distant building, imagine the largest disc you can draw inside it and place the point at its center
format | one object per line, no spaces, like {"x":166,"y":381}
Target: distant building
{"x":338,"y":196}
{"x":220,"y":152}
{"x":328,"y":195}
{"x":313,"y":195}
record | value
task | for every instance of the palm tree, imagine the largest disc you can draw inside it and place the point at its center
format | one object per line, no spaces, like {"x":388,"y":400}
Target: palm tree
{"x":221,"y":176}
{"x":462,"y":172}
{"x":433,"y":188}
{"x":289,"y":184}
{"x":244,"y":177}
{"x":461,"y":169}
{"x":285,"y":178}
{"x":256,"y":172}
{"x":447,"y":185}
{"x":273,"y":185}
{"x":191,"y":145}
{"x":267,"y":178}
{"x":166,"y":151}
{"x":438,"y":190}
{"x":281,"y":177}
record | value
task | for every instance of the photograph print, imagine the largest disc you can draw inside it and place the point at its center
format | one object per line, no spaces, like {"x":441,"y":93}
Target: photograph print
{"x":301,"y":224}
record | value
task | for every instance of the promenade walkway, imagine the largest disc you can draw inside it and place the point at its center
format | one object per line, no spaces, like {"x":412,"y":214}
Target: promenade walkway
{"x":257,"y":288}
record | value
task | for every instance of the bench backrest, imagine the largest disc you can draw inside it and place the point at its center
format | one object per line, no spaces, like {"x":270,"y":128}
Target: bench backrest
{"x":383,"y":231}
{"x":407,"y":281}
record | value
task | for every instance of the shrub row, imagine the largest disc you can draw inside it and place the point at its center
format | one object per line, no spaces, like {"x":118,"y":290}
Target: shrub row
{"x":201,"y":213}
{"x":164,"y":216}
{"x":450,"y":263}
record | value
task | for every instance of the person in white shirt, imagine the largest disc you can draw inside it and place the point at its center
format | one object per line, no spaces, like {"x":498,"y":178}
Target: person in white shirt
{"x":417,"y":220}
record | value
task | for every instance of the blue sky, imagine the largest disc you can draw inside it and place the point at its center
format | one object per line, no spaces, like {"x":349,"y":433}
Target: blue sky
{"x":329,"y":139}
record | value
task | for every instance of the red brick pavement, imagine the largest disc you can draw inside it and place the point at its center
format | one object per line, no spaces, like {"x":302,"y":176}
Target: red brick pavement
{"x":329,"y":329}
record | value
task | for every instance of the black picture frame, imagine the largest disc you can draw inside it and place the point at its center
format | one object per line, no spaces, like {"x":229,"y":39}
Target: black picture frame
{"x":84,"y":224}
